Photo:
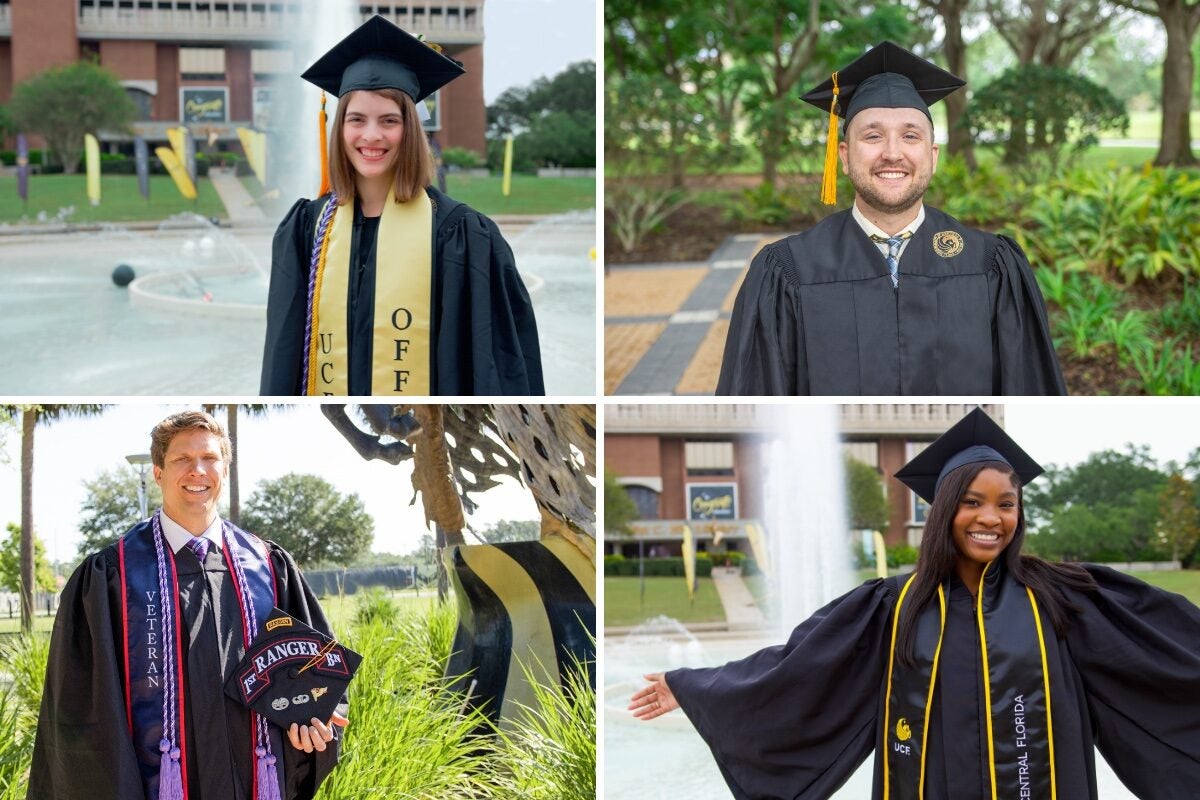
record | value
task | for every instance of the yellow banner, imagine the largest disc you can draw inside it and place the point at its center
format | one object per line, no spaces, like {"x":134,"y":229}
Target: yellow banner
{"x":758,"y":546}
{"x":178,"y":174}
{"x":506,"y":182}
{"x":689,"y":560}
{"x":91,"y":155}
{"x":880,"y":556}
{"x":255,"y":145}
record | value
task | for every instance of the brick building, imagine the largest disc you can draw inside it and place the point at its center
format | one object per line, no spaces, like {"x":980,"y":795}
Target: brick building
{"x":703,"y":465}
{"x":217,"y":66}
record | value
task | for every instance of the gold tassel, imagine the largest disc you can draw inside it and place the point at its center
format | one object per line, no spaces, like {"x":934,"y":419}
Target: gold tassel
{"x":829,"y":177}
{"x":324,"y":140}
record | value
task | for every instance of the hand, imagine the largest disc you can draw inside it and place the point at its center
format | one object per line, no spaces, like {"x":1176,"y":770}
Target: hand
{"x":655,"y":700}
{"x":316,"y":736}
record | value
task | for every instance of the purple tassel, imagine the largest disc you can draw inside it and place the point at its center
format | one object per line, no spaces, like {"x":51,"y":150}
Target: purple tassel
{"x":170,"y":781}
{"x":268,"y":778}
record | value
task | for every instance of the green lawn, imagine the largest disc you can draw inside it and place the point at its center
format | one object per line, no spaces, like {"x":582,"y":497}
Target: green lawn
{"x":120,"y":200}
{"x":530,"y":194}
{"x":340,"y":609}
{"x":1185,"y":582}
{"x":13,"y":624}
{"x":622,"y":601}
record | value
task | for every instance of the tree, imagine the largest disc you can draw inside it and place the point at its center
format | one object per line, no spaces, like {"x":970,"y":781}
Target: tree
{"x":111,"y":507}
{"x":31,"y":415}
{"x":619,"y":508}
{"x":954,"y":48}
{"x":553,"y":119}
{"x":63,"y":103}
{"x":868,"y":508}
{"x":10,"y":562}
{"x":1049,"y":32}
{"x":1037,"y":109}
{"x":309,"y":518}
{"x":1179,"y":518}
{"x":507,"y":530}
{"x":231,"y":429}
{"x":1181,"y":18}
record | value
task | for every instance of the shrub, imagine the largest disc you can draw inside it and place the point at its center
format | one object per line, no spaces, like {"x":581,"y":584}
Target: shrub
{"x":374,"y":605}
{"x":900,"y":554}
{"x":462,"y":158}
{"x":1038,"y":109}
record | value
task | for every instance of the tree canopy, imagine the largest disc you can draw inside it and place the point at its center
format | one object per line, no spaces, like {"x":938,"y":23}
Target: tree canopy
{"x":310,"y":518}
{"x":111,"y":506}
{"x":553,"y":120}
{"x":63,"y":103}
{"x":10,"y":562}
{"x":866,"y":503}
{"x":619,"y":508}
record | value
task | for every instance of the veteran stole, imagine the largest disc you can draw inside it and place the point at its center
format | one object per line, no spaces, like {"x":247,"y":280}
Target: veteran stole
{"x":401,"y":353}
{"x":1016,"y":683}
{"x":151,"y":624}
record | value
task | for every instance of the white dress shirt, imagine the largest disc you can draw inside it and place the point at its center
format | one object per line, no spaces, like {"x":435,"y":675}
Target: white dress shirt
{"x":178,"y":536}
{"x":871,"y":229}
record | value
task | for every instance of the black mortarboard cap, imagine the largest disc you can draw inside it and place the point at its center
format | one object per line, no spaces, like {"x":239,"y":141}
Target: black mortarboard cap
{"x":292,"y":673}
{"x":886,"y":76}
{"x":974,"y":438}
{"x":379,"y":55}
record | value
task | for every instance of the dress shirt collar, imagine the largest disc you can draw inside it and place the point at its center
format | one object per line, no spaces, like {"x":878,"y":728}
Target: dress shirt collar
{"x":871,"y":229}
{"x":178,"y":536}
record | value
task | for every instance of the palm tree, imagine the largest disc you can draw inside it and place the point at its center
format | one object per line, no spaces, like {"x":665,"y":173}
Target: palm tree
{"x":231,"y":428}
{"x":31,"y":415}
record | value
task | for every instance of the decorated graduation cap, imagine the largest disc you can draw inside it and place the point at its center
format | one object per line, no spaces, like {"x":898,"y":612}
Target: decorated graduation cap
{"x":292,"y":673}
{"x":886,"y":76}
{"x":379,"y":55}
{"x":973,"y":439}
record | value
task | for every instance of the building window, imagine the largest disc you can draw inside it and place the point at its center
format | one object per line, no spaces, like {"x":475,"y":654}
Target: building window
{"x":918,"y":507}
{"x":708,"y":459}
{"x":646,"y":500}
{"x":144,"y":102}
{"x":202,"y":63}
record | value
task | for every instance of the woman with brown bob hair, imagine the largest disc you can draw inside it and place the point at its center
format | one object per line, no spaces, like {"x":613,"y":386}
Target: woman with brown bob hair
{"x":985,"y":674}
{"x":383,"y":284}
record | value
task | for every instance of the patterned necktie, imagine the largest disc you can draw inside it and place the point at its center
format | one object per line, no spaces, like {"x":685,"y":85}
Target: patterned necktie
{"x":893,"y":255}
{"x":199,"y":546}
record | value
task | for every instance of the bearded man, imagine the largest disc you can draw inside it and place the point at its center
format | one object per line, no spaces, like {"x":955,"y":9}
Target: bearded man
{"x":889,"y":297}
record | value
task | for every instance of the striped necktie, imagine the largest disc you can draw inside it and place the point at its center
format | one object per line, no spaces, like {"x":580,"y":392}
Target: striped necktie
{"x":893,"y":255}
{"x":199,"y":546}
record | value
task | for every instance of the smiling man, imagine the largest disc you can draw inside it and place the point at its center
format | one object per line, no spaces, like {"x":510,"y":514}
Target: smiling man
{"x":147,"y":634}
{"x":889,"y":297}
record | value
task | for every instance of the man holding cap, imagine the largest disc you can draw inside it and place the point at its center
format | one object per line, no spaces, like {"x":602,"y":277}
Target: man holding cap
{"x":148,"y":631}
{"x":889,"y":297}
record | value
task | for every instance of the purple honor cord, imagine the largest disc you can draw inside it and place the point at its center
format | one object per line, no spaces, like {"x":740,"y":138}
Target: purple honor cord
{"x":170,"y":773}
{"x":313,"y":265}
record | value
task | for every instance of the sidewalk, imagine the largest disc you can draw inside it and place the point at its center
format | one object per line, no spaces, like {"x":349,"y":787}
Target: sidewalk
{"x":741,"y":611}
{"x":665,"y":324}
{"x":240,"y":206}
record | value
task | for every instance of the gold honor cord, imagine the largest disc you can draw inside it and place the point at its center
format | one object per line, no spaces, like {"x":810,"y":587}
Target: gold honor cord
{"x":1037,"y":621}
{"x":887,"y":701}
{"x":987,"y":681}
{"x":932,"y":682}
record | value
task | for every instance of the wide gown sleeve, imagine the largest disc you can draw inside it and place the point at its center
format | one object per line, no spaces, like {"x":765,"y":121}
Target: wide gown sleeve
{"x":305,"y":772}
{"x":487,"y":336}
{"x":83,"y":748}
{"x":763,"y":349}
{"x":287,"y":303}
{"x":1137,"y":650}
{"x":795,"y":721}
{"x":1028,"y":363}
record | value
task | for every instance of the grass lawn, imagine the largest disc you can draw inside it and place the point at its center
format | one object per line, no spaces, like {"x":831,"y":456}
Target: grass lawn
{"x":1185,"y":582}
{"x":13,"y":624}
{"x":664,"y":595}
{"x":530,"y":194}
{"x":120,"y":200}
{"x":340,"y":609}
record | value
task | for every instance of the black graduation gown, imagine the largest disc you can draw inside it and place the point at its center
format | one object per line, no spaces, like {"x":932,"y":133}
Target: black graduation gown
{"x":795,"y":721}
{"x":483,"y":331}
{"x":83,"y":748}
{"x":817,"y":314}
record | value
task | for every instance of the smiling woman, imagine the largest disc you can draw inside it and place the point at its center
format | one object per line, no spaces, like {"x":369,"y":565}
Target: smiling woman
{"x":384,"y":285}
{"x":986,"y":673}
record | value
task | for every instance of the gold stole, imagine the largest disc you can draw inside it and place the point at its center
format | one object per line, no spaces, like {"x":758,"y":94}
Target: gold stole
{"x":401,"y":348}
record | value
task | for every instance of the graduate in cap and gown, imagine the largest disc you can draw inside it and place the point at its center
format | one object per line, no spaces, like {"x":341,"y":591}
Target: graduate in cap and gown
{"x":383,"y":284}
{"x":985,"y":674}
{"x":148,"y":631}
{"x":889,"y":297}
